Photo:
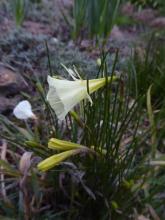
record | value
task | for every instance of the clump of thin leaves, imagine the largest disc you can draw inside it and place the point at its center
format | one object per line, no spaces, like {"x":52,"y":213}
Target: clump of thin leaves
{"x":111,"y":183}
{"x":19,"y":8}
{"x":94,"y":16}
{"x":147,"y":71}
{"x":147,"y":67}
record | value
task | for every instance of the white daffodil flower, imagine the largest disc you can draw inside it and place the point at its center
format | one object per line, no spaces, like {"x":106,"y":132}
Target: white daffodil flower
{"x":63,"y":95}
{"x":23,"y":110}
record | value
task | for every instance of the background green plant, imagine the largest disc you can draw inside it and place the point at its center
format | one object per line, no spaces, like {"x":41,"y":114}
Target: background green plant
{"x":20,"y":8}
{"x":97,"y":17}
{"x":147,"y":67}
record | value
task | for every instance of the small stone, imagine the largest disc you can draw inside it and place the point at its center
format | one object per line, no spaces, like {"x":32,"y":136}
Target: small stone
{"x":10,"y":81}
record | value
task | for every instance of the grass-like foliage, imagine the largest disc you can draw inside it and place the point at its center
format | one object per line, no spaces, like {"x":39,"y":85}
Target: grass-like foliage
{"x":20,"y":8}
{"x":98,"y":17}
{"x":112,"y":182}
{"x":147,"y":67}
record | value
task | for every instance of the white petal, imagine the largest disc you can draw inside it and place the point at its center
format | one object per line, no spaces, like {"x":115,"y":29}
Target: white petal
{"x":63,"y":95}
{"x":23,"y":110}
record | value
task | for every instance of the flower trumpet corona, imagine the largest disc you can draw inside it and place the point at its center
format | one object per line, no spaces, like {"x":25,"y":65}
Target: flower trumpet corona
{"x":61,"y":145}
{"x":56,"y":159}
{"x":63,"y":95}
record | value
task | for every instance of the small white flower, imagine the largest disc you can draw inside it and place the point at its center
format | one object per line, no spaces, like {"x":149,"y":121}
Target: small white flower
{"x":23,"y":110}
